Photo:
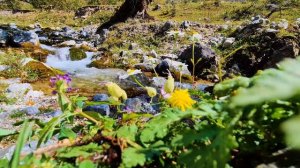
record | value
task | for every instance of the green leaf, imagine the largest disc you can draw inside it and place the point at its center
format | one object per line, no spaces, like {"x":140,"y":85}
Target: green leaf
{"x":4,"y":163}
{"x":291,"y":128}
{"x":271,"y":85}
{"x":228,"y":86}
{"x":132,"y":157}
{"x":87,"y":164}
{"x":6,"y":132}
{"x":190,"y":136}
{"x":23,"y":136}
{"x":66,"y":133}
{"x":128,"y":132}
{"x":159,"y":126}
{"x":215,"y":155}
{"x":79,"y":151}
{"x":49,"y":128}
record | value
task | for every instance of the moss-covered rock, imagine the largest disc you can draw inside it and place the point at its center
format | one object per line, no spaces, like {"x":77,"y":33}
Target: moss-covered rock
{"x":39,"y":68}
{"x":77,"y":54}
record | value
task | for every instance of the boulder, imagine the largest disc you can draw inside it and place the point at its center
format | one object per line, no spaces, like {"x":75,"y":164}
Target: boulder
{"x":207,"y":57}
{"x":100,"y":97}
{"x":137,"y":105}
{"x":17,"y":38}
{"x":3,"y":37}
{"x":101,"y":109}
{"x":269,"y":51}
{"x":77,"y":54}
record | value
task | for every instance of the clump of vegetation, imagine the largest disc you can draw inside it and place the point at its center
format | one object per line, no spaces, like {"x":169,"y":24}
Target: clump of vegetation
{"x":244,"y":115}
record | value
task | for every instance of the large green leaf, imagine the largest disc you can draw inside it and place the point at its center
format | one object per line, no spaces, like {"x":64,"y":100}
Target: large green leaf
{"x":270,"y":85}
{"x":215,"y":155}
{"x":6,"y":132}
{"x":159,"y":126}
{"x":79,"y":151}
{"x":128,"y":132}
{"x":23,"y":136}
{"x":292,"y":130}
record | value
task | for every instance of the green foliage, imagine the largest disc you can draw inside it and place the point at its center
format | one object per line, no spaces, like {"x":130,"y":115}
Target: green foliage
{"x":24,"y":135}
{"x":84,"y":151}
{"x":5,"y":132}
{"x":292,"y":129}
{"x":246,"y":117}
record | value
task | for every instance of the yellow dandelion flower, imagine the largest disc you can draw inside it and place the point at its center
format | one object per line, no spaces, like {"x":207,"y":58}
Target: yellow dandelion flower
{"x":181,"y":99}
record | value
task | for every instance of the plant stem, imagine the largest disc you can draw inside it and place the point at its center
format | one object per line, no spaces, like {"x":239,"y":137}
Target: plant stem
{"x":193,"y":62}
{"x":89,"y":117}
{"x":136,"y":81}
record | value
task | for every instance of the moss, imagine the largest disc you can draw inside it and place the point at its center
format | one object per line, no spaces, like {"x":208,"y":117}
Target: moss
{"x":77,"y":54}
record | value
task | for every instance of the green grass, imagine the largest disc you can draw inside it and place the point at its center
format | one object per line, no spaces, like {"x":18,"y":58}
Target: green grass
{"x":17,"y":114}
{"x":203,"y":12}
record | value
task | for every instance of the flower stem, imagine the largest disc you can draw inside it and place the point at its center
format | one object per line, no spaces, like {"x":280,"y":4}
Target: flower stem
{"x":137,"y":82}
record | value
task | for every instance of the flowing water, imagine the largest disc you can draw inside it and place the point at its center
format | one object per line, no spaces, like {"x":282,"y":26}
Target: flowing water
{"x":84,"y":77}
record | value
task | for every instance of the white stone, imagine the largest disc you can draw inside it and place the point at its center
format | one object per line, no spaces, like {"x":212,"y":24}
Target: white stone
{"x":68,"y":43}
{"x":18,"y":90}
{"x":283,"y":24}
{"x":228,"y":42}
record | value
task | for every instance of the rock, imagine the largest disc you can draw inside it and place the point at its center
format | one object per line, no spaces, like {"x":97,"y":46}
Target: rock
{"x":269,"y":51}
{"x":77,"y":54}
{"x":101,"y":109}
{"x":258,"y":20}
{"x":13,"y":25}
{"x":69,"y":43}
{"x":29,"y":147}
{"x":156,"y":7}
{"x":3,"y":67}
{"x":162,"y":68}
{"x":55,"y":113}
{"x":133,"y":46}
{"x":17,"y":90}
{"x":228,"y":42}
{"x":208,"y":59}
{"x":100,"y":97}
{"x":271,"y":30}
{"x":178,"y":68}
{"x":171,"y":56}
{"x":138,"y":106}
{"x":272,"y":7}
{"x":159,"y":81}
{"x":153,"y":54}
{"x":17,"y":38}
{"x":41,"y":68}
{"x":223,"y":27}
{"x":185,"y":24}
{"x":3,"y":37}
{"x":166,"y":27}
{"x":283,"y":24}
{"x":32,"y":110}
{"x":298,"y":22}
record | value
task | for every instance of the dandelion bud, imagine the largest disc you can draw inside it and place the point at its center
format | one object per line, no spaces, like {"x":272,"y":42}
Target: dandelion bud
{"x":115,"y":91}
{"x":169,"y":85}
{"x":151,"y":91}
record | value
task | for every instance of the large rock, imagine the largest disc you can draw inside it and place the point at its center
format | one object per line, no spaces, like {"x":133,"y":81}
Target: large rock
{"x":178,"y":69}
{"x":43,"y":70}
{"x":3,"y":37}
{"x":17,"y":38}
{"x":207,"y":57}
{"x":138,"y":105}
{"x":77,"y":54}
{"x":269,"y":50}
